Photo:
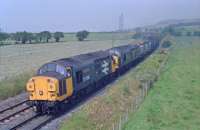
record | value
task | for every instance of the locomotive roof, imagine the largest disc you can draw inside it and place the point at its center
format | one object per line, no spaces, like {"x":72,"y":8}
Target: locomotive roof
{"x":129,"y":46}
{"x":85,"y":59}
{"x":124,"y":47}
{"x":82,"y":59}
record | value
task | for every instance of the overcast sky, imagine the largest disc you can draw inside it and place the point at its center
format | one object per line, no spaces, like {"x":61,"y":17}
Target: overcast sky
{"x":93,"y":15}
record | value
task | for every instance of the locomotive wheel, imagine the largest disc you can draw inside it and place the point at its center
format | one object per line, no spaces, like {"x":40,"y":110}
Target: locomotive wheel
{"x":39,"y":109}
{"x":55,"y":109}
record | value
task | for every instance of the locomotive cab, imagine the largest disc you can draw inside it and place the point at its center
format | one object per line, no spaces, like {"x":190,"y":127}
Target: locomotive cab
{"x":52,"y":84}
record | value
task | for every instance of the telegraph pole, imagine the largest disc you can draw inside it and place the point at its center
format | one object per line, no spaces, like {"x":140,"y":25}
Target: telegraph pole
{"x":112,"y":39}
{"x":121,"y":22}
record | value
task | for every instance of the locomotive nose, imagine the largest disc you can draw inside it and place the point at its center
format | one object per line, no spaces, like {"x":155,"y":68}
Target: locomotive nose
{"x":42,"y":88}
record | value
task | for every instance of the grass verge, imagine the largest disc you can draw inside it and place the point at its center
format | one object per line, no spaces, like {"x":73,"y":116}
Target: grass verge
{"x":10,"y":87}
{"x":173,"y":103}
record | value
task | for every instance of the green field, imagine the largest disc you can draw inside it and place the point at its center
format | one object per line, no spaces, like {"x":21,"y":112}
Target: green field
{"x":99,"y":36}
{"x":174,"y":102}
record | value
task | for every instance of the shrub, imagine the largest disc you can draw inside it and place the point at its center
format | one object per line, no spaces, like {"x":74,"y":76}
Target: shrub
{"x":166,"y":44}
{"x":81,"y":35}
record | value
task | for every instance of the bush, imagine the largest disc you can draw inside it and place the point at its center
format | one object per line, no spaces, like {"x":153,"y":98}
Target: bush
{"x":13,"y":86}
{"x":81,"y":35}
{"x":166,"y":44}
{"x":3,"y":36}
{"x":126,"y":89}
{"x":58,"y":35}
{"x":197,"y":33}
{"x":138,"y":35}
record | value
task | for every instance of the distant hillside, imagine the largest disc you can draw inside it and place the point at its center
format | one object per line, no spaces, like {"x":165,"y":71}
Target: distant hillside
{"x":170,"y":22}
{"x":178,"y":22}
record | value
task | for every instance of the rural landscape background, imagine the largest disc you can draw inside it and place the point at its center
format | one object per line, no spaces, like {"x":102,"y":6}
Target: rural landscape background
{"x":162,"y":92}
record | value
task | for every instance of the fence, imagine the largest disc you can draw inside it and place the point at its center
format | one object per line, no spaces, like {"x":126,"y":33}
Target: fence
{"x":145,"y":86}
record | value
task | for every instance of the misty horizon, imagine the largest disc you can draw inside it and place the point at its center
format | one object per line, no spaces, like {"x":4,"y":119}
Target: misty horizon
{"x":95,"y":16}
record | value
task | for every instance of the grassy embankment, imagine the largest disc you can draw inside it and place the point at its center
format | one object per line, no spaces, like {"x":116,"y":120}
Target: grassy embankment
{"x":12,"y":86}
{"x":174,"y":102}
{"x":104,"y":111}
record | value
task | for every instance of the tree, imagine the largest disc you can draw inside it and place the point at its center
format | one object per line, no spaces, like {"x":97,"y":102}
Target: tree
{"x":178,"y":33}
{"x":3,"y":36}
{"x":81,"y":35}
{"x":23,"y":37}
{"x":39,"y":37}
{"x":168,"y":30}
{"x":17,"y":37}
{"x":166,"y":44}
{"x":137,"y":35}
{"x":46,"y":35}
{"x":196,"y":33}
{"x":30,"y":37}
{"x":58,"y":35}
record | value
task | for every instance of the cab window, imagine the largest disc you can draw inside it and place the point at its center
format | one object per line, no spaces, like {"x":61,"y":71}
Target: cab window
{"x":53,"y":68}
{"x":47,"y":68}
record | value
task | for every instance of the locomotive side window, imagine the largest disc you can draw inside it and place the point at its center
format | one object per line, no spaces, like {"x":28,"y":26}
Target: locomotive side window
{"x":60,"y":70}
{"x":124,"y":57}
{"x":52,"y":68}
{"x":79,"y":76}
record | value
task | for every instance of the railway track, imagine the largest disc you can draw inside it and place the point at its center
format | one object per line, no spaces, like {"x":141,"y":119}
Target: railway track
{"x":35,"y":123}
{"x":13,"y":102}
{"x":11,"y":107}
{"x":11,"y":112}
{"x":15,"y":114}
{"x":19,"y":120}
{"x":24,"y":119}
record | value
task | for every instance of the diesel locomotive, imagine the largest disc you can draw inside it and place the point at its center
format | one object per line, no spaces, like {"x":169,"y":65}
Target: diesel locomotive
{"x":62,"y":81}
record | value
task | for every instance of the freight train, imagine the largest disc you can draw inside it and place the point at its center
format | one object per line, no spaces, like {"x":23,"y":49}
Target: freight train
{"x":62,"y":81}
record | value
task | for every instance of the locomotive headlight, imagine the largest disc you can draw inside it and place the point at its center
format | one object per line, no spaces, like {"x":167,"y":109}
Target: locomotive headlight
{"x":50,"y":81}
{"x":30,"y":86}
{"x":52,"y":85}
{"x":31,"y":94}
{"x":52,"y":95}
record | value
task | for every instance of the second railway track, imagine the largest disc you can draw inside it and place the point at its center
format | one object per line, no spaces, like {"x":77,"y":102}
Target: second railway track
{"x":13,"y":102}
{"x":15,"y":114}
{"x":9,"y":113}
{"x":24,"y":119}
